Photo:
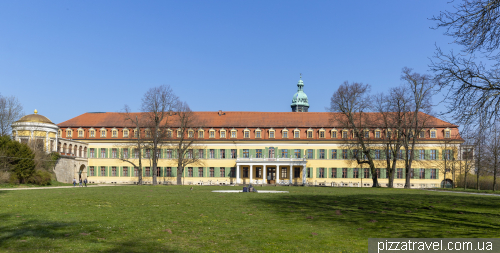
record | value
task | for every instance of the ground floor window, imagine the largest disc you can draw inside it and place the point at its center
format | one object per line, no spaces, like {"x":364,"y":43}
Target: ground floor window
{"x":223,"y":172}
{"x":158,"y":171}
{"x":399,"y":173}
{"x":283,"y":173}
{"x":296,"y":173}
{"x":136,"y":172}
{"x":355,"y":173}
{"x":433,"y":173}
{"x":258,"y":172}
{"x":309,"y":172}
{"x":168,"y":172}
{"x":103,"y":171}
{"x":334,"y":172}
{"x":232,"y":172}
{"x":422,"y":173}
{"x":125,"y":171}
{"x":148,"y":171}
{"x":190,"y":172}
{"x":212,"y":171}
{"x":367,"y":173}
{"x":344,"y":172}
{"x":377,"y":171}
{"x":92,"y":171}
{"x":321,"y":173}
{"x":200,"y":171}
{"x":245,"y":172}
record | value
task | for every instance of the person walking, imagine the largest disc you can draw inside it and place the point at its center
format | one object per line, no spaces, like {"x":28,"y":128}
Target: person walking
{"x":74,"y":182}
{"x":85,"y":182}
{"x":81,"y":182}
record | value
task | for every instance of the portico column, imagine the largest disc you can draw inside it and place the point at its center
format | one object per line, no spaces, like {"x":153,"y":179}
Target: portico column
{"x":47,"y":144}
{"x":277,"y":174}
{"x":291,"y":171}
{"x":264,"y":175}
{"x":237,"y":174}
{"x":251,"y":169}
{"x":304,"y":174}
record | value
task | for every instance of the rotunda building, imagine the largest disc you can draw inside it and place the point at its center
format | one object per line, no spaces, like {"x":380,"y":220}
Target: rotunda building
{"x":36,"y":129}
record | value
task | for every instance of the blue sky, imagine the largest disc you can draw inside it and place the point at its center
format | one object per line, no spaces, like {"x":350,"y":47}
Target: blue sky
{"x":66,"y":58}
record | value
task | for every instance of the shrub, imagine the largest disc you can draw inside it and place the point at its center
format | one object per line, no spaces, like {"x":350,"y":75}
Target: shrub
{"x":4,"y":177}
{"x":40,"y":177}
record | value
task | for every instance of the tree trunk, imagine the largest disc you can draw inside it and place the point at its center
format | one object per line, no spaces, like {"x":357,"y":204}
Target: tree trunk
{"x":180,"y":171}
{"x":374,"y":177}
{"x":495,"y":172}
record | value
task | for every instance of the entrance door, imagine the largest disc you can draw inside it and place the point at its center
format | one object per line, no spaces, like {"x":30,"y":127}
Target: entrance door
{"x":271,"y":175}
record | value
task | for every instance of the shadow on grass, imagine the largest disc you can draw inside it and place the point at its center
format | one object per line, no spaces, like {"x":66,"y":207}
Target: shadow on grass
{"x":29,"y":234}
{"x":394,"y":214}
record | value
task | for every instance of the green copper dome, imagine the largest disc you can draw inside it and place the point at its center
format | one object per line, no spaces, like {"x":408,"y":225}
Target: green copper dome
{"x":300,"y":98}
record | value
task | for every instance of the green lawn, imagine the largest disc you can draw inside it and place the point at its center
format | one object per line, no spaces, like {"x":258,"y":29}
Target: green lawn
{"x":173,"y":218}
{"x":52,"y":183}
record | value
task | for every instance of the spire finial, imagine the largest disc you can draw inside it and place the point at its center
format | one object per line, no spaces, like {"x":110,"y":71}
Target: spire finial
{"x":300,"y":75}
{"x":36,"y":111}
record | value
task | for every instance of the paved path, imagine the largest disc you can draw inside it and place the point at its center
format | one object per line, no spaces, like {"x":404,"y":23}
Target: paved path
{"x":473,"y":193}
{"x":49,"y":187}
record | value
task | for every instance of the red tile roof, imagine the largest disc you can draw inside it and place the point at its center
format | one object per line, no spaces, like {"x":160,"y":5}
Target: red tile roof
{"x":235,"y":119}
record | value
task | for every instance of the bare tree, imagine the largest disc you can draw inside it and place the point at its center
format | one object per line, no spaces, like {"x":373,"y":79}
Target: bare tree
{"x":156,"y":105}
{"x":494,"y":148}
{"x":353,"y":102}
{"x":466,"y":155}
{"x":471,"y":77}
{"x":421,"y":88}
{"x":10,"y":111}
{"x":134,"y":156}
{"x":184,"y":139}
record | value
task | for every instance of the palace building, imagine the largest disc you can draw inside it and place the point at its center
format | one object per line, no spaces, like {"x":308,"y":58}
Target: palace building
{"x":297,"y":147}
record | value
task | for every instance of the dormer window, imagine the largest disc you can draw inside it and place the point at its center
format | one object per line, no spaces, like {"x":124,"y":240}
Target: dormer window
{"x":433,"y":133}
{"x":125,"y":133}
{"x":80,"y":133}
{"x":284,"y":134}
{"x":334,"y":133}
{"x":190,"y":133}
{"x":447,"y":133}
{"x":69,"y":133}
{"x":422,"y":134}
{"x":114,"y":133}
{"x":296,"y":133}
{"x":377,"y":134}
{"x":271,"y":133}
{"x":103,"y":133}
{"x":246,"y":133}
{"x":233,"y":133}
{"x":211,"y":133}
{"x":59,"y":133}
{"x":148,"y":133}
{"x":366,"y":134}
{"x":201,"y":134}
{"x":309,"y":133}
{"x":322,"y":133}
{"x":344,"y":134}
{"x":92,"y":133}
{"x":179,"y":133}
{"x":257,"y":133}
{"x":389,"y":134}
{"x":222,"y":134}
{"x":136,"y":133}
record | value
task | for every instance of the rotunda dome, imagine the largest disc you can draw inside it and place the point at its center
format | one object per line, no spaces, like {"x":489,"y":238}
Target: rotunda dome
{"x":36,"y":118}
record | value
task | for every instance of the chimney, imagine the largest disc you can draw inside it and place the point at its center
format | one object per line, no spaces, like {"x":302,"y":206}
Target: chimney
{"x":220,"y":112}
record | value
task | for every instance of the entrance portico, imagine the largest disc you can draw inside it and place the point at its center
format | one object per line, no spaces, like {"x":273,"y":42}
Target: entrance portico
{"x":270,"y":171}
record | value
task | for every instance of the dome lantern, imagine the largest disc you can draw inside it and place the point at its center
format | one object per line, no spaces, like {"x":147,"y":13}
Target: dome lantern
{"x":300,"y":103}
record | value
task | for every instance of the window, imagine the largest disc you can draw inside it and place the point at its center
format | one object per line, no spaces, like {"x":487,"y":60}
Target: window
{"x":212,"y":172}
{"x":233,"y":133}
{"x":212,"y":153}
{"x":168,"y":172}
{"x":297,"y":153}
{"x":344,"y":134}
{"x":69,"y":133}
{"x":334,"y":134}
{"x":114,"y":133}
{"x":92,"y":155}
{"x":366,"y":173}
{"x":223,"y":172}
{"x":321,"y":154}
{"x":92,"y":133}
{"x":103,"y":171}
{"x":399,"y":173}
{"x":271,"y":134}
{"x":148,"y":171}
{"x":113,"y":152}
{"x":284,"y":153}
{"x":377,"y":134}
{"x":309,"y":134}
{"x":447,"y":134}
{"x":190,"y":154}
{"x":411,"y":173}
{"x":136,"y":153}
{"x":422,"y":134}
{"x":258,"y":153}
{"x":125,"y":133}
{"x":367,"y":134}
{"x":113,"y":171}
{"x":233,"y":153}
{"x":92,"y":171}
{"x":169,"y":154}
{"x":190,"y":172}
{"x":400,"y":154}
{"x":433,"y":134}
{"x":285,"y":134}
{"x":223,"y":134}
{"x":103,"y":153}
{"x":321,"y":173}
{"x":247,"y":134}
{"x":169,"y":134}
{"x":125,"y":171}
{"x":377,"y":154}
{"x":200,"y":153}
{"x":246,"y":153}
{"x":245,"y":172}
{"x":200,"y":171}
{"x":422,"y":174}
{"x":211,"y":134}
{"x":80,"y":133}
{"x":421,"y":154}
{"x":344,"y":172}
{"x":222,"y":153}
{"x":433,"y":173}
{"x":125,"y":153}
{"x":103,"y":133}
{"x":308,"y":172}
{"x":334,"y":173}
{"x":179,"y":133}
{"x":136,"y":172}
{"x":296,"y":134}
{"x":433,"y":154}
{"x":310,"y":154}
{"x":296,"y":173}
{"x":321,"y":134}
{"x":257,"y":134}
{"x":148,"y":154}
{"x":190,"y":134}
{"x":284,"y":173}
{"x":334,"y":154}
{"x":389,"y":134}
{"x":258,"y":172}
{"x":344,"y":154}
{"x":447,"y":154}
{"x":201,"y":134}
{"x":355,"y":173}
{"x":377,"y":171}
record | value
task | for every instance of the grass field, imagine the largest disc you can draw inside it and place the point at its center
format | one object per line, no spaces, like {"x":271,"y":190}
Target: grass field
{"x":52,"y":183}
{"x":176,"y":219}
